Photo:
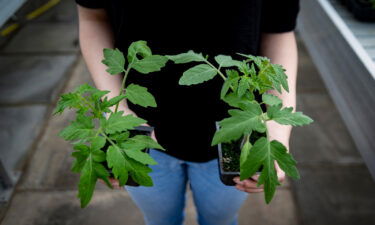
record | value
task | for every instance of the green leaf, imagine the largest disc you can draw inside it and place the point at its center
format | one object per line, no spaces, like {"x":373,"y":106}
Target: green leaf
{"x":87,"y":183}
{"x":138,"y":48}
{"x":286,"y":116}
{"x":233,"y":100}
{"x":113,"y":101}
{"x":226,"y":61}
{"x":80,"y":156}
{"x":81,"y":128}
{"x":139,"y":172}
{"x":69,"y":100}
{"x":243,"y":86}
{"x":281,"y":77}
{"x":150,"y":64}
{"x":119,"y":137}
{"x":284,"y":159}
{"x":114,"y":60}
{"x":98,"y":142}
{"x":240,"y":123}
{"x":225,"y":88}
{"x":264,"y":153}
{"x":96,"y":95}
{"x":98,"y":155}
{"x":187,"y":57}
{"x":83,"y":89}
{"x":197,"y":74}
{"x":139,"y":156}
{"x":117,"y":122}
{"x":102,"y":173}
{"x":245,"y":151}
{"x":139,"y":95}
{"x":117,"y":162}
{"x":271,"y":99}
{"x":142,"y":178}
{"x":142,"y":142}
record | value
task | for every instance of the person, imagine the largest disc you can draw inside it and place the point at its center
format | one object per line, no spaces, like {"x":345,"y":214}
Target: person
{"x":184,"y":120}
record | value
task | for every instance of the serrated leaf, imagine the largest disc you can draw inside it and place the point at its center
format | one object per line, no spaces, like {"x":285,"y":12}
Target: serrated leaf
{"x":98,"y":155}
{"x":80,"y":157}
{"x":245,"y":150}
{"x":271,"y":99}
{"x":142,"y":142}
{"x":138,"y":48}
{"x":243,"y":86}
{"x":139,"y":172}
{"x":142,"y":178}
{"x":264,"y":153}
{"x":225,"y":88}
{"x":117,"y":162}
{"x":197,"y":74}
{"x":187,"y":57}
{"x":83,"y":89}
{"x":119,"y":137}
{"x":226,"y":61}
{"x":281,"y":77}
{"x":96,"y":95}
{"x":102,"y":173}
{"x":284,"y":159}
{"x":240,"y":123}
{"x":117,"y":122}
{"x":139,"y":156}
{"x":233,"y":100}
{"x":113,"y":101}
{"x":98,"y":142}
{"x":114,"y":60}
{"x":286,"y":116}
{"x":81,"y":128}
{"x":140,"y":96}
{"x":69,"y":100}
{"x":150,"y":64}
{"x":87,"y":183}
{"x":232,"y":74}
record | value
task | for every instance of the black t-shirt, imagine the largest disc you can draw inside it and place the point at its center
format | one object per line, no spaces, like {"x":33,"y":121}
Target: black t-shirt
{"x":185,"y":118}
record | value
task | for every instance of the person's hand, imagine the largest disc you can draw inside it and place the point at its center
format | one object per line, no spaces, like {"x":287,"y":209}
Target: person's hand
{"x":250,"y":185}
{"x":115,"y":183}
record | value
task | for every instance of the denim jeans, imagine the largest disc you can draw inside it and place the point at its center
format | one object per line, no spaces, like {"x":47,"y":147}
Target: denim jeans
{"x":164,"y":203}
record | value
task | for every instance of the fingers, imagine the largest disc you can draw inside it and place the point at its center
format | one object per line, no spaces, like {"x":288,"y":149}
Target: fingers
{"x":248,"y":185}
{"x":153,"y":136}
{"x":115,"y":183}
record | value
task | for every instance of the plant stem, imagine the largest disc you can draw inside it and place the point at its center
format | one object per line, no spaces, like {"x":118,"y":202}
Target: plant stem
{"x":244,"y":140}
{"x":220,"y":73}
{"x":218,"y":70}
{"x":123,"y":83}
{"x":106,"y":137}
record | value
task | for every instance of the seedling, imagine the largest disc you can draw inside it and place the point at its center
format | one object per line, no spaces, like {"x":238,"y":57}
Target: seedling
{"x":243,"y":81}
{"x":100,"y":140}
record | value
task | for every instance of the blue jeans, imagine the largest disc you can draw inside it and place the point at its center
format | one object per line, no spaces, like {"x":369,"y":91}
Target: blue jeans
{"x":164,"y":203}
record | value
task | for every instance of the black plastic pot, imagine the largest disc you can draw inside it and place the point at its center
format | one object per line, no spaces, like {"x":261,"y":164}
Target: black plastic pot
{"x":140,"y":130}
{"x":235,"y":147}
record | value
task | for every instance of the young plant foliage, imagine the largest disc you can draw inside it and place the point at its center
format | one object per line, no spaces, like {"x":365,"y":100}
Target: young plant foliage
{"x":101,"y":140}
{"x":242,"y":80}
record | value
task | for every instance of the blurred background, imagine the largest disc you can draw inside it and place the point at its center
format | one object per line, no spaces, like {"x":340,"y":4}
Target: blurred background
{"x":40,"y":59}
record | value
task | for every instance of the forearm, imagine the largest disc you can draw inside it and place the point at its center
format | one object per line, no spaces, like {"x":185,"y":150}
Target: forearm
{"x":282,"y":49}
{"x":95,"y":33}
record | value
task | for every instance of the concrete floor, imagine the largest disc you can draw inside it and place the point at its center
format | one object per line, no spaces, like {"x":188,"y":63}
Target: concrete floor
{"x":335,"y":186}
